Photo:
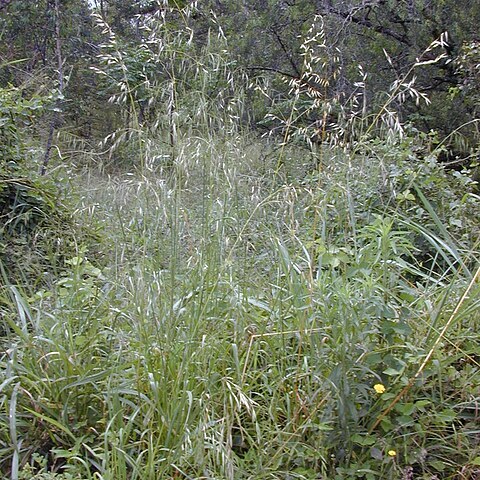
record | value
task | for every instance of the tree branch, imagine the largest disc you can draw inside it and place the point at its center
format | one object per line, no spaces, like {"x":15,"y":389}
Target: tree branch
{"x":365,"y":22}
{"x":285,"y":50}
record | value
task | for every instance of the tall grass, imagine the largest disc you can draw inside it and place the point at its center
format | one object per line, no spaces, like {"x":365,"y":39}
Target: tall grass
{"x":250,"y":318}
{"x":217,"y":342}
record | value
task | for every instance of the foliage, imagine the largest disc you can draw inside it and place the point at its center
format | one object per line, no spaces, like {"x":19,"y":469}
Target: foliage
{"x":36,"y":227}
{"x":17,"y":115}
{"x":260,"y":310}
{"x":273,"y":350}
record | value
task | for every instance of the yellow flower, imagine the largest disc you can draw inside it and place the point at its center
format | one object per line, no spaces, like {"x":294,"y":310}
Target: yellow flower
{"x":379,"y":388}
{"x":392,"y":453}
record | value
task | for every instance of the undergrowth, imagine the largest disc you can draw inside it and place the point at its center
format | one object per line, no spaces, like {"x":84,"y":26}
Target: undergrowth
{"x":225,"y":338}
{"x":251,"y":312}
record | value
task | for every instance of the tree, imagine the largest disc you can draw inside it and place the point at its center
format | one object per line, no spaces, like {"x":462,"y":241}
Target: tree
{"x":267,"y":35}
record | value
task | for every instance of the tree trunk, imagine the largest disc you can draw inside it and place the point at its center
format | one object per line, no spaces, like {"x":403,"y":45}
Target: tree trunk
{"x":56,"y":116}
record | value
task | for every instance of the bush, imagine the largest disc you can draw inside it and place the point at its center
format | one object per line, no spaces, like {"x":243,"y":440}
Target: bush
{"x":36,"y":226}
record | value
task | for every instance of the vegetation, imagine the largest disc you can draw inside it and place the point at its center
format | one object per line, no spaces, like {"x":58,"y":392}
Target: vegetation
{"x":224,"y":256}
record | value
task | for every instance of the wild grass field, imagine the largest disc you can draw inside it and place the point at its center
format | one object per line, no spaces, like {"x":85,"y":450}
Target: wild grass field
{"x":246,"y":321}
{"x":208,"y":304}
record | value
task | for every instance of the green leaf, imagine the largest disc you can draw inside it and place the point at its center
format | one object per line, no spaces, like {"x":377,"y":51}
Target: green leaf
{"x":401,"y":328}
{"x":447,"y":415}
{"x":392,"y":372}
{"x":405,"y":420}
{"x":363,"y":440}
{"x":438,"y":465}
{"x":421,"y":404}
{"x":51,"y":421}
{"x":405,"y":409}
